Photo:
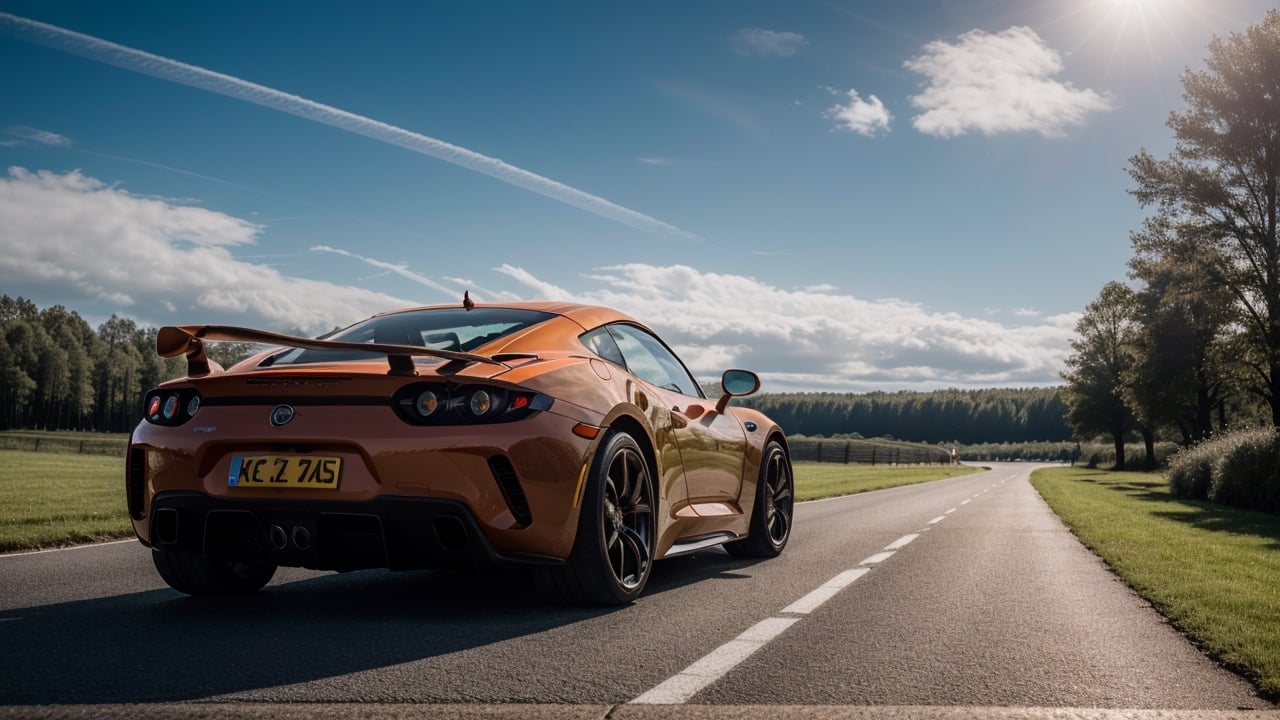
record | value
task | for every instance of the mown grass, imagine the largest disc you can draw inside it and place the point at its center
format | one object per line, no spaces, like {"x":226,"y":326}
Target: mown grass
{"x":822,"y":480}
{"x":53,"y":499}
{"x":1213,"y":571}
{"x":65,"y":441}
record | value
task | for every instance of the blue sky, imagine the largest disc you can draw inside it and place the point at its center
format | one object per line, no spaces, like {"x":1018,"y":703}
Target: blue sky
{"x":840,"y":195}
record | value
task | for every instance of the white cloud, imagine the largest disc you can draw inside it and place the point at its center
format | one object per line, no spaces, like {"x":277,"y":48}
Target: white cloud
{"x":997,"y":83}
{"x":71,"y":239}
{"x":660,"y":161}
{"x":44,"y":137}
{"x":865,"y":117}
{"x":767,"y":43}
{"x":1026,"y":312}
{"x":76,"y":240}
{"x":816,"y":338}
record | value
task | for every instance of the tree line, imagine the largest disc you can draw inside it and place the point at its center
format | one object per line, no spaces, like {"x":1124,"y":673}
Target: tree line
{"x":58,"y":373}
{"x":943,"y":416}
{"x":1190,"y":347}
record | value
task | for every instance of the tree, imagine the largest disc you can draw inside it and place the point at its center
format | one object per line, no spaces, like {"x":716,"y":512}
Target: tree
{"x":1221,"y":185}
{"x":1096,"y":372}
{"x":1182,"y":369}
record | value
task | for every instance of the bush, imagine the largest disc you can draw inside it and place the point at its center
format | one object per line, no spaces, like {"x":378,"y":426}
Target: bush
{"x":1191,"y":471}
{"x":1240,"y":469}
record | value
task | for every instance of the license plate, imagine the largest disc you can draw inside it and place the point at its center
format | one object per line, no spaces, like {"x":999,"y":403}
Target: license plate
{"x":285,"y":471}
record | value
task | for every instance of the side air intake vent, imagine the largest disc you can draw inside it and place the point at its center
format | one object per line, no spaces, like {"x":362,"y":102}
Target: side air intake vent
{"x":136,"y":481}
{"x":505,"y":474}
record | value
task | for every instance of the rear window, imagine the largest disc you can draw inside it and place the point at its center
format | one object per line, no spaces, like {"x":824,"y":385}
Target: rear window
{"x":441,"y":328}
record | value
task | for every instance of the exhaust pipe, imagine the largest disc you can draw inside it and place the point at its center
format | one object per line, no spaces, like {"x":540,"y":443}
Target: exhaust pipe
{"x":301,"y":538}
{"x":166,"y":526}
{"x":278,"y":538}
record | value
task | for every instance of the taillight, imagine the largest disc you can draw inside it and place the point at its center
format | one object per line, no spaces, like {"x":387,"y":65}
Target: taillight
{"x":438,"y":404}
{"x":172,"y":406}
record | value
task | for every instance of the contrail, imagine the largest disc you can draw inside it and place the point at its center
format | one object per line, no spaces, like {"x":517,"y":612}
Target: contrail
{"x":400,"y":270}
{"x":143,"y":62}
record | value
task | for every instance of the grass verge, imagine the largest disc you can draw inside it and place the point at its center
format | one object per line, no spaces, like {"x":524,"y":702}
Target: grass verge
{"x":822,"y":480}
{"x":52,"y":500}
{"x":1213,"y":571}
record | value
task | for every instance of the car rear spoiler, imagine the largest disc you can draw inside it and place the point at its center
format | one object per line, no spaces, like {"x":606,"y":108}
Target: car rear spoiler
{"x":189,"y":340}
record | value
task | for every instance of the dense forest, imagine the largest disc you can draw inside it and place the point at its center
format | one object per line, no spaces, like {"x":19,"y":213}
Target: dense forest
{"x":944,"y":416}
{"x":58,"y":373}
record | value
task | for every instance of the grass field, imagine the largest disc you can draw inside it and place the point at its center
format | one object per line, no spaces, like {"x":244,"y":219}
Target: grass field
{"x":1213,"y":571}
{"x":53,"y":499}
{"x":821,"y":480}
{"x":80,"y":443}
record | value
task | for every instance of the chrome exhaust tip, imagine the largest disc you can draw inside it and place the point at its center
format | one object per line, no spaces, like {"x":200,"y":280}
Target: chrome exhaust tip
{"x":279,"y":540}
{"x":301,"y":538}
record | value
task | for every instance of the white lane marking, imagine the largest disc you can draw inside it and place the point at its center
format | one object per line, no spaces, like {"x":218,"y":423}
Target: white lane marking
{"x":966,"y":502}
{"x":937,"y":520}
{"x":949,"y":511}
{"x":813,"y":600}
{"x":64,"y":549}
{"x":686,"y":683}
{"x":901,"y":542}
{"x":877,"y":558}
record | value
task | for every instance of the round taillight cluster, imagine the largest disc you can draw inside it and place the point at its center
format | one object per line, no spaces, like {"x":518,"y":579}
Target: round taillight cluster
{"x":170,"y":406}
{"x":435,"y":404}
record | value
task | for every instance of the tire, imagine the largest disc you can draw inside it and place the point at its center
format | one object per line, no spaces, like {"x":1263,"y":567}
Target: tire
{"x":612,"y":554}
{"x":202,"y":575}
{"x":774,"y":509}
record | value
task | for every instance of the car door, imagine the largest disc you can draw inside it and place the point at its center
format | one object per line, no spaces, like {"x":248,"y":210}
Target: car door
{"x":711,"y":444}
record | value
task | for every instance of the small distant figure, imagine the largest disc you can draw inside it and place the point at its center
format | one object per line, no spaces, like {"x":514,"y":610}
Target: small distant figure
{"x":467,"y":302}
{"x":955,"y":457}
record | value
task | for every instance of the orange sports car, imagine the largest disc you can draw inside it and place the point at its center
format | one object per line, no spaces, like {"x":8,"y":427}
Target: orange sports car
{"x":564,"y":438}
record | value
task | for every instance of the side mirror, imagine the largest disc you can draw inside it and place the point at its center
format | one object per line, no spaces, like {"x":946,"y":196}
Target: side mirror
{"x":736,"y":383}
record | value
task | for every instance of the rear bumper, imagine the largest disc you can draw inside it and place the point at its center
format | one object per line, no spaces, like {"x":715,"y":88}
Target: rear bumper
{"x":394,"y":532}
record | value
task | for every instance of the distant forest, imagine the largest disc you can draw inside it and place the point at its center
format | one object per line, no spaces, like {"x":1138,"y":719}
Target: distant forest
{"x":59,"y":373}
{"x":969,"y":417}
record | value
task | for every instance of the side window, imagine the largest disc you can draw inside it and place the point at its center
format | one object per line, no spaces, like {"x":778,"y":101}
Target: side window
{"x":600,"y":342}
{"x":650,"y":360}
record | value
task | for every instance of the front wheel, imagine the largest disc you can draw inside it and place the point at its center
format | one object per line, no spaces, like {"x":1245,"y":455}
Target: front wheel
{"x":613,"y":552}
{"x":202,"y":575}
{"x":775,"y":507}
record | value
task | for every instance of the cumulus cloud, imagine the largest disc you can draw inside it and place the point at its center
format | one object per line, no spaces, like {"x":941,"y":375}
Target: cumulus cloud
{"x":865,"y":117}
{"x":76,"y":239}
{"x":766,"y":43}
{"x":816,"y":338}
{"x":997,"y":83}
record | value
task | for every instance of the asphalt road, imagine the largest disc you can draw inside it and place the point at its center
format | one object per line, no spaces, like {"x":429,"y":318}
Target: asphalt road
{"x":962,"y":592}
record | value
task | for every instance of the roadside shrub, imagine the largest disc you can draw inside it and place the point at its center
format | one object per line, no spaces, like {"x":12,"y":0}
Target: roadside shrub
{"x":1245,"y":475}
{"x":1240,"y":469}
{"x":1191,"y":471}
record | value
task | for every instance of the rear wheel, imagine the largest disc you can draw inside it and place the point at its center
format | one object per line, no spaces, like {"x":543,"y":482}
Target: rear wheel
{"x":775,"y":506}
{"x":613,"y":552}
{"x":202,"y":575}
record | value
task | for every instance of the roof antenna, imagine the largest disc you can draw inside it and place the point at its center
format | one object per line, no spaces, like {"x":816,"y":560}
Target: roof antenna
{"x":467,"y":302}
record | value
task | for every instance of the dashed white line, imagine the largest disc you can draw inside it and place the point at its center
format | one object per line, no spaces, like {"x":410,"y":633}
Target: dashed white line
{"x":686,"y":683}
{"x":682,"y":686}
{"x":966,"y":502}
{"x":901,"y":542}
{"x":810,"y":602}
